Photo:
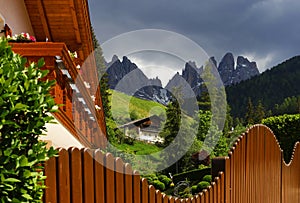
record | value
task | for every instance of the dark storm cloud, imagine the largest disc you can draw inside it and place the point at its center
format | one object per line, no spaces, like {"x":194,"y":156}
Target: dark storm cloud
{"x":265,"y":31}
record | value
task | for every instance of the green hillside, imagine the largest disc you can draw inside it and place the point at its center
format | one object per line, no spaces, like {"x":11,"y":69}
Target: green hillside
{"x":271,"y":87}
{"x":124,"y":107}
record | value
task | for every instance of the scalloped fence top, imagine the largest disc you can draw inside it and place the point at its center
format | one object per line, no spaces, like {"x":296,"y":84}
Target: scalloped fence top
{"x":253,"y":172}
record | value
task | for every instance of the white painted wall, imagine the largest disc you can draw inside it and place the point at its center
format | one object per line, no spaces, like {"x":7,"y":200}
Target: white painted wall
{"x":60,"y":136}
{"x":15,"y":16}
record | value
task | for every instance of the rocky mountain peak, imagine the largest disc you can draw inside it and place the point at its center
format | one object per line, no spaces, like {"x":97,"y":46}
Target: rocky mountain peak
{"x":226,"y":68}
{"x":230,"y":74}
{"x":126,"y":77}
{"x":213,"y":61}
{"x":155,"y":81}
{"x":244,"y":69}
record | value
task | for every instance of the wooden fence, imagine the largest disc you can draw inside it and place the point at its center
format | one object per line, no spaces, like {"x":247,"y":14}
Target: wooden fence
{"x":253,"y":172}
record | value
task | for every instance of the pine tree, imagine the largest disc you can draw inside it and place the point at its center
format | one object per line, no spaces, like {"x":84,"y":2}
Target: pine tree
{"x":259,"y":112}
{"x":250,"y":114}
{"x":172,"y":125}
{"x":103,"y":76}
{"x":216,"y":92}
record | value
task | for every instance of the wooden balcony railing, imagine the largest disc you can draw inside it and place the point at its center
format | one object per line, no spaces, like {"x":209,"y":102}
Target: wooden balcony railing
{"x":78,"y":113}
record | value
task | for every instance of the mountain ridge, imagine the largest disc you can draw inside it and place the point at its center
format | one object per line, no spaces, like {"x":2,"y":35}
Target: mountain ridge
{"x":126,"y":77}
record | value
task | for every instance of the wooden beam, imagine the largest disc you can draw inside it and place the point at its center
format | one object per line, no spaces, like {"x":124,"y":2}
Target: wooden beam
{"x":44,"y":19}
{"x":75,"y":21}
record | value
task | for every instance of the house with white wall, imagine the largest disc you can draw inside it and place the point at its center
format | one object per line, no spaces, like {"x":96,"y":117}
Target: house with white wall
{"x":60,"y":28}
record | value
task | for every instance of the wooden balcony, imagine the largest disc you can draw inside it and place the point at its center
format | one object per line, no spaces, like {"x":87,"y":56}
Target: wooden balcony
{"x":78,"y":113}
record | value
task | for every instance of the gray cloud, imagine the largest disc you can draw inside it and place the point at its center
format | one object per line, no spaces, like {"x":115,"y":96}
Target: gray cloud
{"x":267,"y":31}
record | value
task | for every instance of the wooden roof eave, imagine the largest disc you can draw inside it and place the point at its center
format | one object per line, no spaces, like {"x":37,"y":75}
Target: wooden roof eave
{"x":78,"y":36}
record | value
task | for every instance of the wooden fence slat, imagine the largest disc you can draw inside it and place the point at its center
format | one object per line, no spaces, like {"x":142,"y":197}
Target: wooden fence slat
{"x":88,"y":175}
{"x":109,"y":178}
{"x":188,"y":200}
{"x":119,"y":180}
{"x":197,"y":198}
{"x":144,"y":191}
{"x":202,"y":197}
{"x":214,"y":192}
{"x":221,"y":188}
{"x":193,"y":199}
{"x":76,"y":175}
{"x":210,"y":192}
{"x":136,"y":187}
{"x":63,"y":176}
{"x":129,"y":183}
{"x":50,"y":195}
{"x":227,"y":179}
{"x":99,"y":177}
{"x":158,"y":198}
{"x":206,"y":196}
{"x":171,"y":199}
{"x":177,"y":200}
{"x":165,"y":198}
{"x":151,"y":194}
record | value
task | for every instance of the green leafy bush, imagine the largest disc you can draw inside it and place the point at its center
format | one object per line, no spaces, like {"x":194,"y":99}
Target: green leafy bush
{"x":194,"y":189}
{"x":25,"y":105}
{"x":207,"y":178}
{"x":202,"y":185}
{"x":159,"y":185}
{"x":193,"y":175}
{"x":287,"y":131}
{"x":167,"y":181}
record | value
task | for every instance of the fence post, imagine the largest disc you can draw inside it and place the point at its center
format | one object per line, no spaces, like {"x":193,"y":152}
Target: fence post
{"x":220,"y":164}
{"x":217,"y":165}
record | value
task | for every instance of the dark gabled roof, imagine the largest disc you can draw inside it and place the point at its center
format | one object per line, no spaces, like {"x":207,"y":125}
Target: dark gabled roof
{"x":140,"y":121}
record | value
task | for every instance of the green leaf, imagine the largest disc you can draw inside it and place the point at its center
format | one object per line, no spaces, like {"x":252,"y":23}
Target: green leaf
{"x":20,"y":106}
{"x":41,"y":62}
{"x":15,"y":200}
{"x":23,"y":161}
{"x":27,"y":196}
{"x":7,"y":152}
{"x":26,"y":174}
{"x":12,"y":180}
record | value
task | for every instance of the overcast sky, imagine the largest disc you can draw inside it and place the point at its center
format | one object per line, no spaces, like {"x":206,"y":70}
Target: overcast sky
{"x":267,"y":32}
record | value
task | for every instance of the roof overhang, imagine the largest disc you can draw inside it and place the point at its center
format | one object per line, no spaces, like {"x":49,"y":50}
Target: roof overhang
{"x":65,"y":21}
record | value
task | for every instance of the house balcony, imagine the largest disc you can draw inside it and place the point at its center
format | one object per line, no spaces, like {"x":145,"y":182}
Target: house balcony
{"x":80,"y":112}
